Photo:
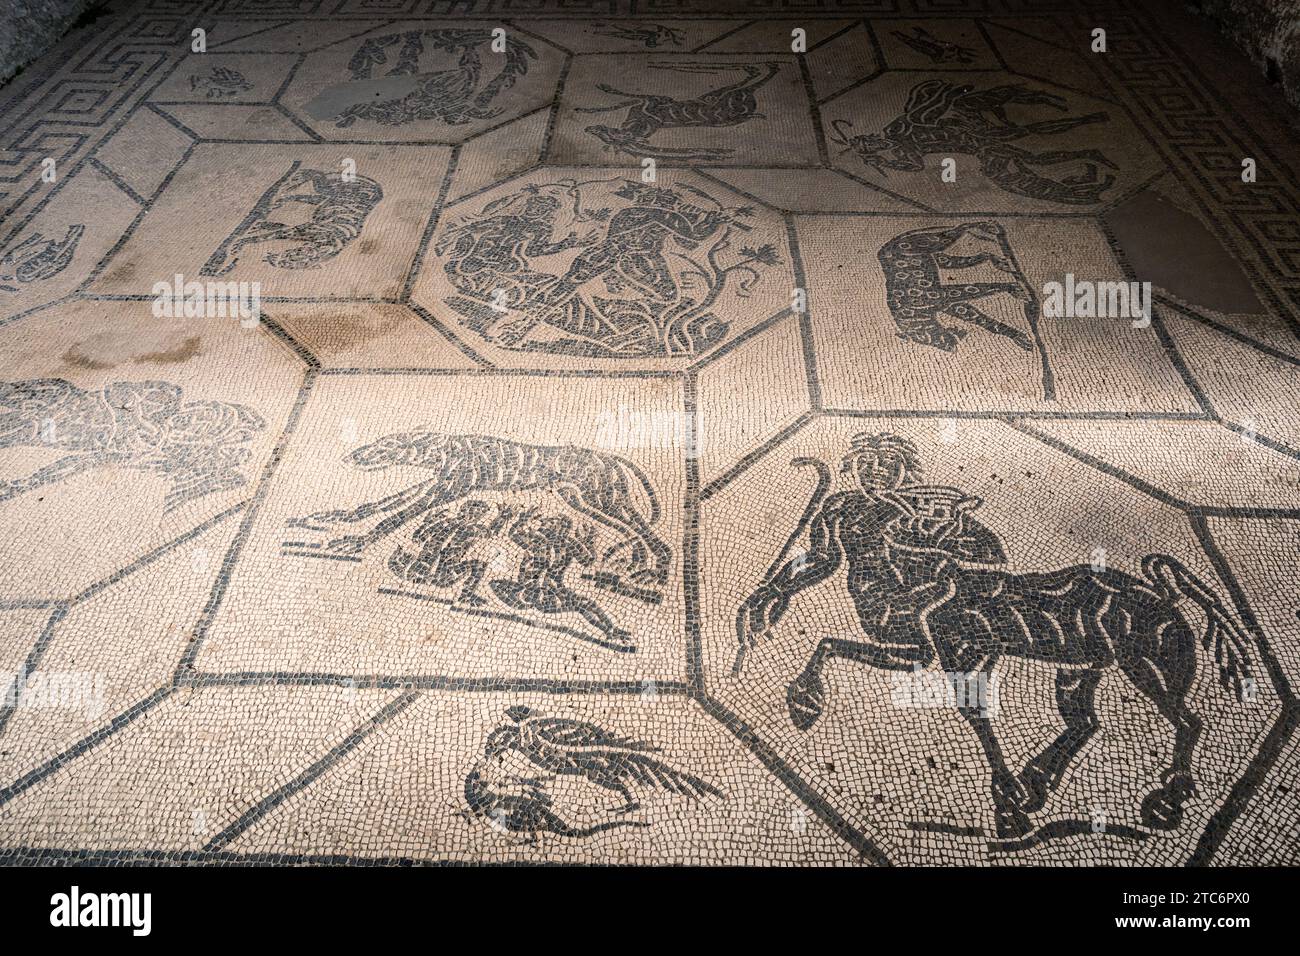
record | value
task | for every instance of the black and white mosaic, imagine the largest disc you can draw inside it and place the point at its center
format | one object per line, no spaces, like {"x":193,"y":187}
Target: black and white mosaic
{"x":653,"y":444}
{"x":650,"y":267}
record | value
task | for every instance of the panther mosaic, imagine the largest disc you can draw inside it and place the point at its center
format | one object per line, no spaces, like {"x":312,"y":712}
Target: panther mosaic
{"x":337,"y":210}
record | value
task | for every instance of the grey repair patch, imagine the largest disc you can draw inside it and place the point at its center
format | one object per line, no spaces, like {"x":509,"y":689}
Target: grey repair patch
{"x":1174,"y":250}
{"x":337,"y":99}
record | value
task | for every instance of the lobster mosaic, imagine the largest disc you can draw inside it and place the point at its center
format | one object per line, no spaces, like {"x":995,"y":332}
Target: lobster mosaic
{"x":549,"y":749}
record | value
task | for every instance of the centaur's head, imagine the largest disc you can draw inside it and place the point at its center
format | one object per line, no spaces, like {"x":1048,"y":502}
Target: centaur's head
{"x":881,"y":462}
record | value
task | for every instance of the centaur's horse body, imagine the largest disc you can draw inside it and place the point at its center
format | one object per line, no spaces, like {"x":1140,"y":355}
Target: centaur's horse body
{"x":928,"y":586}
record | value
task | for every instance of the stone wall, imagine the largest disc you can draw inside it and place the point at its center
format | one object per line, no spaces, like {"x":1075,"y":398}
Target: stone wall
{"x":1268,"y":31}
{"x":28,"y":28}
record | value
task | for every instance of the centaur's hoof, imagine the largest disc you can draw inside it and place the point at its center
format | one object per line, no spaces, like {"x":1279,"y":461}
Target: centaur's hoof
{"x":806,"y":699}
{"x":1009,"y":817}
{"x":1163,"y":807}
{"x":1036,"y":785}
{"x":1011,"y":822}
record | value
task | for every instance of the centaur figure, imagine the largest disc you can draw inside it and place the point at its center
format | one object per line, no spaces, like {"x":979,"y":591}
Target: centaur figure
{"x":929,"y":585}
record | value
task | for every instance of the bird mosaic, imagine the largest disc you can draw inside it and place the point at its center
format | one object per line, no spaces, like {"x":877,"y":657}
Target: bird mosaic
{"x":563,"y":747}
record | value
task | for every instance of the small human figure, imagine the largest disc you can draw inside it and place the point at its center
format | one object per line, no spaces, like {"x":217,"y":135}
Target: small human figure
{"x":445,"y":540}
{"x":550,"y":544}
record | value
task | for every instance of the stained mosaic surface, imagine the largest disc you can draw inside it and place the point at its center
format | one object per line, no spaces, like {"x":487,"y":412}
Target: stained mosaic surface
{"x":653,"y":439}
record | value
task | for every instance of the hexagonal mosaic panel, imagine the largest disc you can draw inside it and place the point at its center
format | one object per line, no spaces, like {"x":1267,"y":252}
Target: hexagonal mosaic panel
{"x":418,"y":80}
{"x":909,"y":677}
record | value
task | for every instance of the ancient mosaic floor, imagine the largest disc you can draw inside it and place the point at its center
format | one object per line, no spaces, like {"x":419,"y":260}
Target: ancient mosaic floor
{"x":644,"y":453}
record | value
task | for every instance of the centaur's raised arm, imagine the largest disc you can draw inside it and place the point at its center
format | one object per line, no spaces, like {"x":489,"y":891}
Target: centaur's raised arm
{"x":770,"y":600}
{"x":818,"y":562}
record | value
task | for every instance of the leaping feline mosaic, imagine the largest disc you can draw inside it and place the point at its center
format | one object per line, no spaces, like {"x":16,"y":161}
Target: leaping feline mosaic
{"x":942,"y":118}
{"x":649,"y":113}
{"x":200,"y":446}
{"x":939,"y":51}
{"x":929,"y":585}
{"x":649,"y":35}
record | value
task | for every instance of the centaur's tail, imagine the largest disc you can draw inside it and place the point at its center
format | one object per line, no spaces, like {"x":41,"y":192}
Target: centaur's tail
{"x":1222,"y":630}
{"x":743,"y":638}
